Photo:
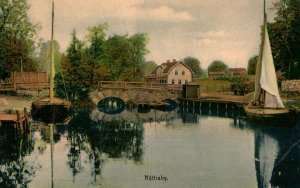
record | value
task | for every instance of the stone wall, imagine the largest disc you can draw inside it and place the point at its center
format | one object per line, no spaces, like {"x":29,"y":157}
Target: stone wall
{"x":137,"y":96}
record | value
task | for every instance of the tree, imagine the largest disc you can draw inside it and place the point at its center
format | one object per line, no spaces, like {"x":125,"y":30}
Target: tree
{"x":45,"y":57}
{"x":284,"y":36}
{"x":73,"y":77}
{"x":194,"y":64}
{"x":125,"y":56}
{"x":217,"y":65}
{"x":252,"y":65}
{"x":16,"y":37}
{"x":94,"y":62}
{"x":148,"y":67}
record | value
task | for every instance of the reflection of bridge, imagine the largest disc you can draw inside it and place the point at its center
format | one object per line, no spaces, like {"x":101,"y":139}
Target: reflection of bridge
{"x":25,"y":80}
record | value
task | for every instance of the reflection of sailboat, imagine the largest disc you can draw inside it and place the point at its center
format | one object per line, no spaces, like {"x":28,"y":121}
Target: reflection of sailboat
{"x":267,"y":103}
{"x":266,"y":149}
{"x":51,"y":109}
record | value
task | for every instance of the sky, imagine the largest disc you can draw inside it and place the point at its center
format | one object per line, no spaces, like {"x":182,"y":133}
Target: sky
{"x":227,"y":30}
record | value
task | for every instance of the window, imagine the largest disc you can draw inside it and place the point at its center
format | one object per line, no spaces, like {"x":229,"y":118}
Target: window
{"x":179,"y":81}
{"x":186,"y":81}
{"x":176,"y":72}
{"x":183,"y":73}
{"x":173,"y":81}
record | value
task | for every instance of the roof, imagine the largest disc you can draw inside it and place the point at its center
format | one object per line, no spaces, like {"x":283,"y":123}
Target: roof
{"x":167,"y":67}
{"x":237,"y":70}
{"x":216,"y":73}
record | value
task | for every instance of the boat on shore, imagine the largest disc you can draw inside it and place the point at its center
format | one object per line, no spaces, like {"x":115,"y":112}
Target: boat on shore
{"x":51,"y":109}
{"x":266,"y":107}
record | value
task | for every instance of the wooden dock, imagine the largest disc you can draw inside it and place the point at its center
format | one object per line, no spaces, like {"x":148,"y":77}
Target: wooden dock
{"x":18,"y":120}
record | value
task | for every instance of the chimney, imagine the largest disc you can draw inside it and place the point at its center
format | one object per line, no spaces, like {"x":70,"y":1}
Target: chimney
{"x":174,"y":60}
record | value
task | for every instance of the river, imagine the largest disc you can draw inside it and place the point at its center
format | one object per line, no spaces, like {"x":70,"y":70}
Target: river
{"x":155,"y":149}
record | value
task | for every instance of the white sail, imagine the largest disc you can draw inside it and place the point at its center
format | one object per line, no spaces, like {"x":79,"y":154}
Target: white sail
{"x":268,"y":80}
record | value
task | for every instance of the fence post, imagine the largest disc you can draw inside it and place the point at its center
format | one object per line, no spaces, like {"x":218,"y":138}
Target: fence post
{"x":14,"y":80}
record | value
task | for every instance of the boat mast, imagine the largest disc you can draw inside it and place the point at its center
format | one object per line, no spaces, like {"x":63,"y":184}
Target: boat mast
{"x":52,"y":56}
{"x":259,"y":92}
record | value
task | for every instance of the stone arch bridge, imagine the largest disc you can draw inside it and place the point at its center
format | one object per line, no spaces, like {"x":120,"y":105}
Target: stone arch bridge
{"x":137,"y":92}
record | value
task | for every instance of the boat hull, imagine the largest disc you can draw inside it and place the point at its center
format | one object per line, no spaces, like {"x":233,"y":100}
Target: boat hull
{"x":271,"y":117}
{"x":56,"y":111}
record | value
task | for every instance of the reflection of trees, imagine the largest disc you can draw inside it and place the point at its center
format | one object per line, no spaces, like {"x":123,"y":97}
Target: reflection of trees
{"x":114,"y":139}
{"x":45,"y":132}
{"x":14,"y":170}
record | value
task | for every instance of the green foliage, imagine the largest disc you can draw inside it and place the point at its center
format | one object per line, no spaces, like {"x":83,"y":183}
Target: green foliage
{"x":16,"y":37}
{"x":114,"y":58}
{"x":252,"y":65}
{"x":218,"y":65}
{"x":125,"y":57}
{"x":45,"y":57}
{"x":72,"y":78}
{"x":234,"y":79}
{"x":148,"y":67}
{"x":284,"y":35}
{"x":194,"y":64}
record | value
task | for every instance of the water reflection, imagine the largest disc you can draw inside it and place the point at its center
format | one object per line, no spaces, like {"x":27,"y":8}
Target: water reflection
{"x":14,"y":147}
{"x":103,"y":139}
{"x":277,"y":155}
{"x":87,"y":148}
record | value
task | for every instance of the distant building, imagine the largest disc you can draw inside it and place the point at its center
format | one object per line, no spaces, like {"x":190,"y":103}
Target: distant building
{"x":171,"y":72}
{"x":237,"y":72}
{"x":215,"y":75}
{"x":230,"y":73}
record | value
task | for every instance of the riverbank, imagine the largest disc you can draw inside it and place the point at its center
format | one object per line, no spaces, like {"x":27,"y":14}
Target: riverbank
{"x":20,"y":100}
{"x":24,"y":99}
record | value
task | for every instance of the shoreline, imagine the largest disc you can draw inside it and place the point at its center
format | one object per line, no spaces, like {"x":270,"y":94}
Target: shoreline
{"x":23,"y":99}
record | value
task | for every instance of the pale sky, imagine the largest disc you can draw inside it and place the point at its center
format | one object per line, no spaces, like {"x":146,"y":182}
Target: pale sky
{"x":227,"y":30}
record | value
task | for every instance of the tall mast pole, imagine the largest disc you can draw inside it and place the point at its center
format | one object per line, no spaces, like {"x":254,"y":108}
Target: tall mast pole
{"x":52,"y":55}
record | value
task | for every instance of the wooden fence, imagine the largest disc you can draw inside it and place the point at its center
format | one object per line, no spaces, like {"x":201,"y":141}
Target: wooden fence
{"x":138,"y":85}
{"x":25,"y":80}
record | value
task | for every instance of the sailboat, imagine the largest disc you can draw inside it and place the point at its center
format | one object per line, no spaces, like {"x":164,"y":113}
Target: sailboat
{"x":51,"y":109}
{"x":266,"y":106}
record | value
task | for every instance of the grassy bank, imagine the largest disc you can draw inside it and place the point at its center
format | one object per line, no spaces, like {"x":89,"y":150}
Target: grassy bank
{"x":214,"y":85}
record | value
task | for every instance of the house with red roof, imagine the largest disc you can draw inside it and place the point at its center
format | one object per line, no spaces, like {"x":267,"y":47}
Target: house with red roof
{"x":237,"y":71}
{"x":171,"y":72}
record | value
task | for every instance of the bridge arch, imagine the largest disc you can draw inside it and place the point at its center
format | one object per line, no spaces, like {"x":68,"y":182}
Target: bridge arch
{"x":137,"y":96}
{"x":111,"y":105}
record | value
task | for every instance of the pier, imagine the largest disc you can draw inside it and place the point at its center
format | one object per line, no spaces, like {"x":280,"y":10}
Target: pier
{"x":18,"y":120}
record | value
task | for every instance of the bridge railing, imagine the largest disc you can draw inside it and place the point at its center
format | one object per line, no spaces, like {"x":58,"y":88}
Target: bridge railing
{"x":138,"y":85}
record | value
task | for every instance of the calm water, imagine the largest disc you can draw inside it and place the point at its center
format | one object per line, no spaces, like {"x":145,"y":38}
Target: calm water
{"x":186,"y":149}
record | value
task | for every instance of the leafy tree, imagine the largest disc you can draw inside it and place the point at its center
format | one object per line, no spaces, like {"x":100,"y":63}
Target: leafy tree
{"x":45,"y":57}
{"x":94,"y":62}
{"x":252,"y":65}
{"x":284,"y":35}
{"x":125,"y":56}
{"x":194,"y":64}
{"x":148,"y":67}
{"x":217,"y":65}
{"x":114,"y":58}
{"x":16,"y":37}
{"x":72,"y":78}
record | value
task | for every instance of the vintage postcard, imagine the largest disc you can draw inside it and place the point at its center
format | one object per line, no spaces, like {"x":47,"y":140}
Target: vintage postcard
{"x":149,"y":93}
